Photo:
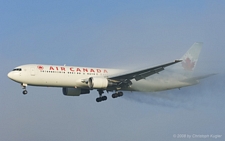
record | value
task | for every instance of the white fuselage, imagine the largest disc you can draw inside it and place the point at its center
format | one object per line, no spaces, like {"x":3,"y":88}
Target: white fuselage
{"x":72,"y":76}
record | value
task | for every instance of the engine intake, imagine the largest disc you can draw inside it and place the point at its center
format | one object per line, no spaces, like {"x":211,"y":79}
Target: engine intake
{"x":99,"y":83}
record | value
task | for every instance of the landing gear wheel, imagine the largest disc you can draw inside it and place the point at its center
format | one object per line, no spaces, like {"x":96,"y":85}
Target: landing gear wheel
{"x":119,"y":94}
{"x":25,"y":92}
{"x":100,"y":99}
{"x":104,"y":98}
{"x":114,"y":95}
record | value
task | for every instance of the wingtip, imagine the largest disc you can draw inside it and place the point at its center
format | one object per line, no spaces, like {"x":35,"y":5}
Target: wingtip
{"x":178,"y":60}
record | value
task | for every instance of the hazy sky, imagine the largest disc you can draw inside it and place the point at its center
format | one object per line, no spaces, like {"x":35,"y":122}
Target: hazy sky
{"x":111,"y":34}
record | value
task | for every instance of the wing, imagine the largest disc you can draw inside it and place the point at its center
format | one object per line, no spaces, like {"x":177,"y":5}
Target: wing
{"x":140,"y":74}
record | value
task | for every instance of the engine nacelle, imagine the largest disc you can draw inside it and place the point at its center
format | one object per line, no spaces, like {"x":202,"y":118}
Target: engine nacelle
{"x":74,"y":91}
{"x":99,"y":83}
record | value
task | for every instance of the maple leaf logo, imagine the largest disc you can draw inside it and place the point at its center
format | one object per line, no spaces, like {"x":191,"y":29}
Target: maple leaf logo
{"x":40,"y":67}
{"x":188,"y":64}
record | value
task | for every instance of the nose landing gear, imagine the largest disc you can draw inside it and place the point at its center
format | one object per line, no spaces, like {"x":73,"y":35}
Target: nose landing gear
{"x":25,"y":92}
{"x":24,"y":87}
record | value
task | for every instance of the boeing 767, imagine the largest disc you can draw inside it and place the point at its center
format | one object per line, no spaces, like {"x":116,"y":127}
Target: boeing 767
{"x":76,"y":80}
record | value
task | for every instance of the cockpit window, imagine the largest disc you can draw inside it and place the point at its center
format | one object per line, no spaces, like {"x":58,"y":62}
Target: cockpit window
{"x":17,"y":69}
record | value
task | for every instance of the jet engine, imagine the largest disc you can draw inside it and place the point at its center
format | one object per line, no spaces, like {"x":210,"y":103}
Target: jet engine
{"x":74,"y":91}
{"x":99,"y":83}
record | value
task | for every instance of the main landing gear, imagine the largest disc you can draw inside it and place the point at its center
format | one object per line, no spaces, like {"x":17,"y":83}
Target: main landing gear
{"x":24,"y":87}
{"x":101,"y":98}
{"x":117,"y":94}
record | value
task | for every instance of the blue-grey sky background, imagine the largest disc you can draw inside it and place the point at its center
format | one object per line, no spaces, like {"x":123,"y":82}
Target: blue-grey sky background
{"x":113,"y":34}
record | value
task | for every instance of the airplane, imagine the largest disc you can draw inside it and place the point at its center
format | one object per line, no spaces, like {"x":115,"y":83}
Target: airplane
{"x":76,"y":81}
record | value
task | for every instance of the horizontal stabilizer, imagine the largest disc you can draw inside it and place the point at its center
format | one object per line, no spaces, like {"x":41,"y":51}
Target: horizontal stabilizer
{"x":192,"y":79}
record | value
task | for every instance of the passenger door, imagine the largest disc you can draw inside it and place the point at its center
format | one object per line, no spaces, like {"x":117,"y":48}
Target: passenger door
{"x":32,"y":71}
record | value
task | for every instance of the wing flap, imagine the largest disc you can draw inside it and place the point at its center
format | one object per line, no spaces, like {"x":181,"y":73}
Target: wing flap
{"x":146,"y":74}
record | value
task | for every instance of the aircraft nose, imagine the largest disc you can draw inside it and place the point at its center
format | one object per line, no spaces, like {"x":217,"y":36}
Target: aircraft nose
{"x":10,"y":75}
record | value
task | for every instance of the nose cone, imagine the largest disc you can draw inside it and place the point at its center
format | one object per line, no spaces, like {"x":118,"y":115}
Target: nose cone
{"x":10,"y":75}
{"x":15,"y":76}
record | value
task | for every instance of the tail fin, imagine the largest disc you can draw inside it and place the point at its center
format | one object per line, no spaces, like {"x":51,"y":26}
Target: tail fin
{"x":190,"y":58}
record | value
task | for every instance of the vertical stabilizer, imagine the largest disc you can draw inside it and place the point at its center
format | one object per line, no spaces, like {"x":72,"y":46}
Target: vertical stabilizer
{"x":190,"y":58}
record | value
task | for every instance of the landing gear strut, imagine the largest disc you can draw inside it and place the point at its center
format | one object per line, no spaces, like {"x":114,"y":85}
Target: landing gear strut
{"x":117,"y":94}
{"x":101,"y":98}
{"x":24,"y":87}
